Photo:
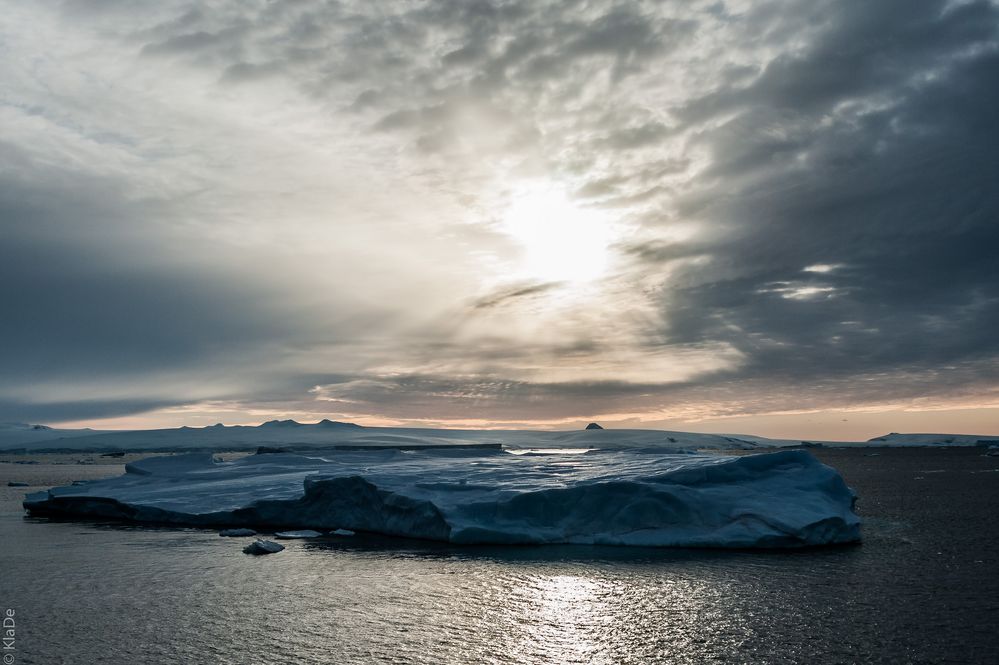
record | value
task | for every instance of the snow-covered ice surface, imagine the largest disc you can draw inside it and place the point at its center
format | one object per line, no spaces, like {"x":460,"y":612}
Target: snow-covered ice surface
{"x":299,"y":534}
{"x":472,"y":496}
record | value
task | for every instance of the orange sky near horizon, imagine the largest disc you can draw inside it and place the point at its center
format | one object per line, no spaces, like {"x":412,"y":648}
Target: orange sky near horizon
{"x":816,"y":425}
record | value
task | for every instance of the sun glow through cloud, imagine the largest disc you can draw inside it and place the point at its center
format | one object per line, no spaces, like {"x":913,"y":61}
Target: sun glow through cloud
{"x":561,"y":241}
{"x":500,"y":212}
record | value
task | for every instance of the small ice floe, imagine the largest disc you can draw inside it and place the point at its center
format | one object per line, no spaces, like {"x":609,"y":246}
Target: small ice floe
{"x":303,"y":533}
{"x":14,"y":483}
{"x":237,"y":532}
{"x":342,"y":532}
{"x":263,"y":547}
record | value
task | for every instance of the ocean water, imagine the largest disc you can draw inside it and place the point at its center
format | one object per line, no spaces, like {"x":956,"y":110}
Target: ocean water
{"x":923,"y":587}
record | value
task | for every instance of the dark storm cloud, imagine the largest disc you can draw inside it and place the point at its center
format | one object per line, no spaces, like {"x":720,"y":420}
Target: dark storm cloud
{"x":655,"y":254}
{"x":73,"y":315}
{"x":86,"y":290}
{"x":902,"y":194}
{"x":861,"y":49}
{"x":77,"y":409}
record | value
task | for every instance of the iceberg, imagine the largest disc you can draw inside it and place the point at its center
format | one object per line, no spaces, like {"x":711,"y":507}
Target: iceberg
{"x":295,"y":535}
{"x":896,"y":440}
{"x":470,"y":496}
{"x":263,"y":547}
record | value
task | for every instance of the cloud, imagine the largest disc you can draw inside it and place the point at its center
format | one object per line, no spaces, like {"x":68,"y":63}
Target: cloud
{"x":243,"y":202}
{"x":898,"y":194}
{"x":496,"y":299}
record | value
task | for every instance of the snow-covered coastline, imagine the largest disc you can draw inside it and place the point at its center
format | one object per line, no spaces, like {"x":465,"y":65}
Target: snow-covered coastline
{"x":330,"y":434}
{"x":478,"y":496}
{"x":326,"y":434}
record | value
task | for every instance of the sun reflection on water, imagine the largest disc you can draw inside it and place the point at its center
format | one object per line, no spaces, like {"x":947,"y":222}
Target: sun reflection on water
{"x":567,"y":615}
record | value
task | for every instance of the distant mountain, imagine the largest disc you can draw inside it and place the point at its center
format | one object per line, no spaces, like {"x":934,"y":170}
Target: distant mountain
{"x":280,"y":423}
{"x":325,"y":423}
{"x":336,"y":424}
{"x":19,"y":435}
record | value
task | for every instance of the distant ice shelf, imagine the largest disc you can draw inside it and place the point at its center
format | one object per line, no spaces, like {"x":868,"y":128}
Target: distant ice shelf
{"x":614,"y":497}
{"x":327,"y":435}
{"x":290,"y":436}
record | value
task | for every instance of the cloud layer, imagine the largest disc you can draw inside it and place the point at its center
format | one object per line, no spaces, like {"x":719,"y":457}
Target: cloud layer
{"x":253,"y":208}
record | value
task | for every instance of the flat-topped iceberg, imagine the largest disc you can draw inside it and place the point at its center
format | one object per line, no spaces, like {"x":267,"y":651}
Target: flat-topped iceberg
{"x":780,"y":499}
{"x":299,"y":534}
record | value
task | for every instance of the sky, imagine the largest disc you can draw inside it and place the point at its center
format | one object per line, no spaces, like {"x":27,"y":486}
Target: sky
{"x":775,"y":217}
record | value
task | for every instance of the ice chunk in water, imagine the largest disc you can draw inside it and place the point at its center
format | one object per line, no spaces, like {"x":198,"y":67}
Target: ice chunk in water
{"x":263,"y":547}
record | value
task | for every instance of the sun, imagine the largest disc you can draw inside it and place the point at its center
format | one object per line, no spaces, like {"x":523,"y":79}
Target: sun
{"x":561,"y":240}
